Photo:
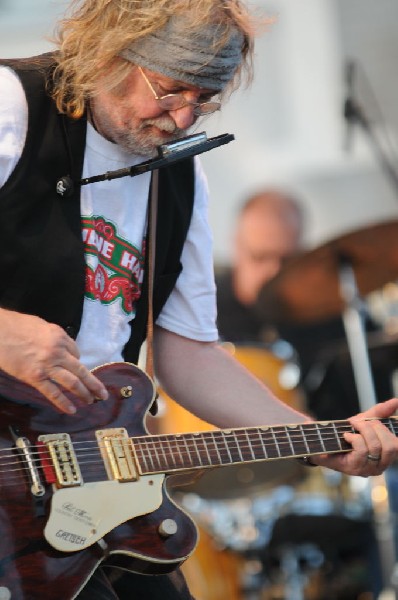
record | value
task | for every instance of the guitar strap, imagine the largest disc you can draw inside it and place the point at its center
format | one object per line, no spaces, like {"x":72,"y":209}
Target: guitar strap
{"x":153,"y":210}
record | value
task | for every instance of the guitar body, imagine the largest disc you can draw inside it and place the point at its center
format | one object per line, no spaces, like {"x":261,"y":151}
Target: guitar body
{"x":30,"y":567}
{"x":77,"y":491}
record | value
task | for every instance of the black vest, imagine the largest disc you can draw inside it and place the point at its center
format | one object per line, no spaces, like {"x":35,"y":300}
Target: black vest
{"x":42,"y":267}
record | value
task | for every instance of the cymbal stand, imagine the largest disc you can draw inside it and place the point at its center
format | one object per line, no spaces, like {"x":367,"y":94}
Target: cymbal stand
{"x":353,"y":320}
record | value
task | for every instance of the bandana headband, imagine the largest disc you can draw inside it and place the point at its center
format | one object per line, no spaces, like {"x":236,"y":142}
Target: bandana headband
{"x":178,"y":53}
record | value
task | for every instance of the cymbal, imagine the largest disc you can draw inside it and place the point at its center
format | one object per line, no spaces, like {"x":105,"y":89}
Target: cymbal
{"x":308,"y":286}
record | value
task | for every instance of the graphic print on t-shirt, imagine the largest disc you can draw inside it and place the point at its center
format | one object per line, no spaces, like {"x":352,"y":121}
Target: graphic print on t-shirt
{"x":114,"y":267}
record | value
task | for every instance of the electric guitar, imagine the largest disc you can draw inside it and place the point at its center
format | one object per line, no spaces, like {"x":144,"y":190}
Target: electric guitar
{"x":77,"y":491}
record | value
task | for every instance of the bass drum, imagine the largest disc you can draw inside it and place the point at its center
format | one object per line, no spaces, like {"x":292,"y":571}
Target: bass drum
{"x":276,"y":367}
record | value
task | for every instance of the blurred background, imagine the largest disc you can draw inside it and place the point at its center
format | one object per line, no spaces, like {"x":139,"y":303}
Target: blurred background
{"x":289,"y":126}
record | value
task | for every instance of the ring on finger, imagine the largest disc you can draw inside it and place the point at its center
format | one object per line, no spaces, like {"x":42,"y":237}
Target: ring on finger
{"x":373,"y":457}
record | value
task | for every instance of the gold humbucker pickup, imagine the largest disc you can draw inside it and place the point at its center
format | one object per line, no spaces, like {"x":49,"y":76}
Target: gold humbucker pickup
{"x":63,"y":459}
{"x":117,"y":453}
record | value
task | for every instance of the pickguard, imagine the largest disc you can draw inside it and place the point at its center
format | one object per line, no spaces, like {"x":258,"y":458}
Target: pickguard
{"x":80,"y":516}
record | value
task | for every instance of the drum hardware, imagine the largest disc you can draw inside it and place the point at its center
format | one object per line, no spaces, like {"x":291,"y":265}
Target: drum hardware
{"x":296,"y":564}
{"x":282,"y":535}
{"x":245,"y":525}
{"x":332,"y":280}
{"x":356,"y":339}
{"x":308,"y":288}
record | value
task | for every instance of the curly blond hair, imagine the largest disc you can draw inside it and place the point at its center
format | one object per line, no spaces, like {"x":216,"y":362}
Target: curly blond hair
{"x":94,"y":32}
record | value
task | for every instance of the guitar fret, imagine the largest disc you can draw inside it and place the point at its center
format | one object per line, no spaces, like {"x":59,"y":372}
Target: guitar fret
{"x":188,"y":450}
{"x":339,"y":441}
{"x":154,"y":456}
{"x":211,"y":448}
{"x":260,"y":437}
{"x":276,"y":442}
{"x":204,"y":451}
{"x":163,"y":452}
{"x":194,"y":440}
{"x":238,"y":446}
{"x":307,"y":448}
{"x":144,"y":446}
{"x":391,"y":425}
{"x":216,"y":447}
{"x":225,"y":435}
{"x":289,"y":439}
{"x":320,"y":437}
{"x":250,"y":445}
{"x":205,"y":446}
{"x":298,"y":441}
{"x":233,"y":449}
{"x":172,"y":454}
{"x":257,"y":445}
{"x":221,"y":447}
{"x":283,"y":445}
{"x":178,"y":446}
{"x":330,"y":443}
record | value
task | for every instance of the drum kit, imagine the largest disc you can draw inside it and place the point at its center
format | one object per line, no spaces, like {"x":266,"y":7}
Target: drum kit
{"x":279,"y":530}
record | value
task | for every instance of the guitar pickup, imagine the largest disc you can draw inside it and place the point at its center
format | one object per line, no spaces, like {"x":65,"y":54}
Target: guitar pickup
{"x":61,"y":456}
{"x":117,"y":453}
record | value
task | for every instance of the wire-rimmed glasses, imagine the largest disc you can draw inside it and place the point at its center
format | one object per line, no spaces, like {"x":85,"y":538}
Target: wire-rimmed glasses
{"x":178,"y":100}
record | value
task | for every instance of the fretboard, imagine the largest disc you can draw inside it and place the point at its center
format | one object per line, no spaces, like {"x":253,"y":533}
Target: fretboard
{"x":187,"y":451}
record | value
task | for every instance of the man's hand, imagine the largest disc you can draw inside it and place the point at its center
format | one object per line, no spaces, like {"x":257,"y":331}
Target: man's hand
{"x":44,"y":356}
{"x":374,"y":447}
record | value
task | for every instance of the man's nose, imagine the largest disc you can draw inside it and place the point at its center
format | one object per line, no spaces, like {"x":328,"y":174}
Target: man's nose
{"x":184,"y":117}
{"x":269,"y":269}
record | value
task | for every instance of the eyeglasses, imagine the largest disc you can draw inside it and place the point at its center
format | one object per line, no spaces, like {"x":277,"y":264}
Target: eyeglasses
{"x":176,"y":101}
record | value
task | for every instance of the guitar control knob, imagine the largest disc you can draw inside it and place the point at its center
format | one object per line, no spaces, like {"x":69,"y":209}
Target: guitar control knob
{"x":126,"y":391}
{"x":167,"y":527}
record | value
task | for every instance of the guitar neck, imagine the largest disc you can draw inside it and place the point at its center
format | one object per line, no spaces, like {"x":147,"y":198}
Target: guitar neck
{"x":201,"y":450}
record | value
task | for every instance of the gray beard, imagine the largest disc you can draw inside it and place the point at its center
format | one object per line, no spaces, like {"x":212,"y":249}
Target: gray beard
{"x":141,"y":141}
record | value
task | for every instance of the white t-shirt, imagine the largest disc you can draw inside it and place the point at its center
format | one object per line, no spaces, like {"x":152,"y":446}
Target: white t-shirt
{"x":114,"y":217}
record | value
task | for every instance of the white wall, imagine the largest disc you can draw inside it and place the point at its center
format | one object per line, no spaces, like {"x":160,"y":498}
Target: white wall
{"x":290,"y":129}
{"x":25,"y":26}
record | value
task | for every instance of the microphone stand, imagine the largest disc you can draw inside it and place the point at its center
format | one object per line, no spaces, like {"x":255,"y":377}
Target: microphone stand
{"x":354,"y":114}
{"x":167,"y":154}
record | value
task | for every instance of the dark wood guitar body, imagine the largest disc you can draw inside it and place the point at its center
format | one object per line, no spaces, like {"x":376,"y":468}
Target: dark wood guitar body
{"x":111,"y":496}
{"x":29,"y":567}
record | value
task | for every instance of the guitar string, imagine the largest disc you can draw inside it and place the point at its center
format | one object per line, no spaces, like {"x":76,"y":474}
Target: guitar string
{"x":303,"y":427}
{"x":220,"y":451}
{"x":216,"y":437}
{"x":292,"y":432}
{"x":147,"y":443}
{"x":164,"y":461}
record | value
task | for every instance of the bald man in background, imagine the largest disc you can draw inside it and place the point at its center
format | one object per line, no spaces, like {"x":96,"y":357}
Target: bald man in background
{"x":268,"y":232}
